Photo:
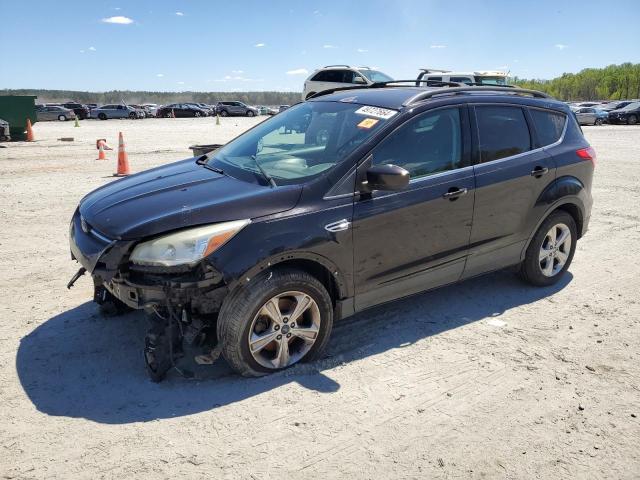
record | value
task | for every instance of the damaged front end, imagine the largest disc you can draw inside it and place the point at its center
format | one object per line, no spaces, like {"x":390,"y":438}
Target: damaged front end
{"x":182,"y":301}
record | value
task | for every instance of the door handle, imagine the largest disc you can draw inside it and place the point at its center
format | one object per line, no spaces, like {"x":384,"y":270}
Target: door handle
{"x":539,"y":171}
{"x":454,"y":193}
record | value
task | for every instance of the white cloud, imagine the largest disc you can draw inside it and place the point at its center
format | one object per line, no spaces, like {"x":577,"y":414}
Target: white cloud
{"x":560,"y":46}
{"x":93,"y":49}
{"x":118,"y":19}
{"x":117,"y":8}
{"x":237,"y":72}
{"x":180,"y":83}
{"x":81,"y":51}
{"x":362,"y":50}
{"x":180,"y":14}
{"x":298,"y":71}
{"x":316,"y":12}
{"x":328,"y":45}
{"x":159,"y":75}
{"x":259,"y":45}
{"x":437,"y":46}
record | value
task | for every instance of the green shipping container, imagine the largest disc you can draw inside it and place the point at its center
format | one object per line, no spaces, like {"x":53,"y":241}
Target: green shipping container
{"x":15,"y":109}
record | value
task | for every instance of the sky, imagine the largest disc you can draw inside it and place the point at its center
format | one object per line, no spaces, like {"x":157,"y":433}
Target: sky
{"x":239,"y":45}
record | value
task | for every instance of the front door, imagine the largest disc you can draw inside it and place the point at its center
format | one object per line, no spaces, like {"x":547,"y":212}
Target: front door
{"x":416,"y":239}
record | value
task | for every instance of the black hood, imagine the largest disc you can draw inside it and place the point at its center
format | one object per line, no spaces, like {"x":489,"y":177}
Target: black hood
{"x":179,"y":195}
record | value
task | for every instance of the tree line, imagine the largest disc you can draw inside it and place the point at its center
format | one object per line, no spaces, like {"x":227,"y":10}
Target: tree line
{"x":615,"y":82}
{"x":161,"y":98}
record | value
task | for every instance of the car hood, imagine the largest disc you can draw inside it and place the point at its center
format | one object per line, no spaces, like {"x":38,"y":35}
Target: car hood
{"x":179,"y":195}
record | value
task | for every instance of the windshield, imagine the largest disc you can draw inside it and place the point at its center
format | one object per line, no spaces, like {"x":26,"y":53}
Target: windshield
{"x":491,"y":80}
{"x":376,"y":76}
{"x":632,"y":106}
{"x":300,"y":143}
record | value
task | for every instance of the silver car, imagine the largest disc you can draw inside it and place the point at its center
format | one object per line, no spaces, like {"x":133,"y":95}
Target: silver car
{"x":589,"y":116}
{"x":54,"y":112}
{"x":116,"y":111}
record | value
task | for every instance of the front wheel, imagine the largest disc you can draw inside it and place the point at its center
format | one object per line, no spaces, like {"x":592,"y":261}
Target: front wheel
{"x":224,"y":113}
{"x":249,"y":113}
{"x":632,"y":120}
{"x":62,"y":118}
{"x":133,"y":116}
{"x":551,"y":250}
{"x":102,"y":116}
{"x":598,"y":122}
{"x":281,"y":318}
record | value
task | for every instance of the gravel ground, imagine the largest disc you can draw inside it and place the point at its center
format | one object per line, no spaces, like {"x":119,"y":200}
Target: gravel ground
{"x":486,"y":379}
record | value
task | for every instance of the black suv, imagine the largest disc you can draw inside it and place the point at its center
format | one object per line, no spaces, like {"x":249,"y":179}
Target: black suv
{"x":81,"y":111}
{"x":629,"y":114}
{"x":340,"y":203}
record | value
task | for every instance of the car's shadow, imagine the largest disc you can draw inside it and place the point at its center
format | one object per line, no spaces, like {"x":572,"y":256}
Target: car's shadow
{"x":79,"y":364}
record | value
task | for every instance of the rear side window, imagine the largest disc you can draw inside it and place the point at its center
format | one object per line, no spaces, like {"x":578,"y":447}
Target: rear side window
{"x":503,"y":132}
{"x":549,"y":125}
{"x":336,"y":76}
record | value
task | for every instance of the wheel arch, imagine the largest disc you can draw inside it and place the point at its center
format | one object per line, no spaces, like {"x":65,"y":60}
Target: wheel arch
{"x":316,"y":265}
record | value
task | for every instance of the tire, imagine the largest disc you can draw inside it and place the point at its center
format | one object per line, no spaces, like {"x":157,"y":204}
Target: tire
{"x":250,"y":113}
{"x":632,"y":120}
{"x":224,"y":113}
{"x":531,"y":269}
{"x":133,"y":115}
{"x":102,"y":116}
{"x":196,"y":114}
{"x":598,"y":122}
{"x":241,"y":312}
{"x":62,"y":118}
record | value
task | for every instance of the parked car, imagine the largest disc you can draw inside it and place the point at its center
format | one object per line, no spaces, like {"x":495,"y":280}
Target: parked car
{"x":590,"y":115}
{"x":615,"y":105}
{"x":208,"y":109}
{"x":151,"y":109}
{"x":180,"y":110}
{"x":482,"y":77}
{"x":630,"y":114}
{"x":337,"y":76}
{"x":81,"y":111}
{"x":116,"y":111}
{"x":229,"y":109}
{"x":5,"y":134}
{"x":259,"y":247}
{"x":54,"y":112}
{"x":282,"y":108}
{"x":262,"y":110}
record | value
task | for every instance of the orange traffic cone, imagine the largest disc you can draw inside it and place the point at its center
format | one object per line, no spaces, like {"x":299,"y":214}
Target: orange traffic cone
{"x":101,"y":154}
{"x":123,"y":160}
{"x":30,"y":136}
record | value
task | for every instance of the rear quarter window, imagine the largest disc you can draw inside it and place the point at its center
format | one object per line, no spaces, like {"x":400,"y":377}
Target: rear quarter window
{"x":503,"y":132}
{"x":549,"y":125}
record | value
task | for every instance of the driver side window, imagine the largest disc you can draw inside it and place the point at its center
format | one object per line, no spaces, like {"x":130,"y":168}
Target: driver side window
{"x":427,"y":144}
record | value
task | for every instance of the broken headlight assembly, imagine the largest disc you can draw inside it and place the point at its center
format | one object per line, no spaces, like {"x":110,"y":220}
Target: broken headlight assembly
{"x":185,"y":247}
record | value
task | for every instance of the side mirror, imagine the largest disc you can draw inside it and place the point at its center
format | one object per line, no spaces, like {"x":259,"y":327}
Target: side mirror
{"x":387,"y":177}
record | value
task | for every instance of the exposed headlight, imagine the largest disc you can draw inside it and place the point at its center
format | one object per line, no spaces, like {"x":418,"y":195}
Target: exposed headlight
{"x":186,"y":246}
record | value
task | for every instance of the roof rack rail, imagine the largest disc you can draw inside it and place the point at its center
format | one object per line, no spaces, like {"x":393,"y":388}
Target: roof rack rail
{"x":456,"y":90}
{"x":434,"y":70}
{"x":328,"y":66}
{"x":416,"y":83}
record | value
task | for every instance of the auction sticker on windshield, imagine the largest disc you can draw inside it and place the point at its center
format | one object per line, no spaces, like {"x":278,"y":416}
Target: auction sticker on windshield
{"x":368,"y":123}
{"x":377,"y":112}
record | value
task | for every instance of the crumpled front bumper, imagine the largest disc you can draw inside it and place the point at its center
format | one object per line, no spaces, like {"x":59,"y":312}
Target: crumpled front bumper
{"x":107,"y":262}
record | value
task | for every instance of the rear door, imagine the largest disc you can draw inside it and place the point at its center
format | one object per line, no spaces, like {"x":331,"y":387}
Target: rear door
{"x":416,"y":239}
{"x":511,"y":173}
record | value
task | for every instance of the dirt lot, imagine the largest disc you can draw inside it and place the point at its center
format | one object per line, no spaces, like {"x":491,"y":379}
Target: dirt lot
{"x":487,"y":379}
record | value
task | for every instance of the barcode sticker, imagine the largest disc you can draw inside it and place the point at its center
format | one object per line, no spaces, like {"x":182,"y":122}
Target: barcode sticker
{"x":377,"y":112}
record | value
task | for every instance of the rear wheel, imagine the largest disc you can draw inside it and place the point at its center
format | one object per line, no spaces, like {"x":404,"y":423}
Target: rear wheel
{"x":102,"y":116}
{"x":224,"y":113}
{"x":62,"y":118}
{"x":281,"y":318}
{"x":133,"y":115}
{"x":632,"y":120}
{"x":249,"y":113}
{"x":598,"y":121}
{"x":551,"y":250}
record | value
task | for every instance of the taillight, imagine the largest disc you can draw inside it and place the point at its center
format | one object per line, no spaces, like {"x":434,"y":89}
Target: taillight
{"x":588,"y":153}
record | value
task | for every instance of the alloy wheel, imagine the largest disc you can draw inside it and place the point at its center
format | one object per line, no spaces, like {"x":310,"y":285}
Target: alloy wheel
{"x":555,"y":250}
{"x":284,"y":330}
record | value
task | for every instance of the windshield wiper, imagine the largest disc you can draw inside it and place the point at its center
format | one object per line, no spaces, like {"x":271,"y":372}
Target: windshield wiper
{"x":204,"y":161}
{"x":267,"y":177}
